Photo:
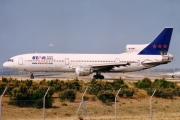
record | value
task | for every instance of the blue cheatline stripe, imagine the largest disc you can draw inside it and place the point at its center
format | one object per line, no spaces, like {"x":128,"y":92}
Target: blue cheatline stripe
{"x":160,"y":44}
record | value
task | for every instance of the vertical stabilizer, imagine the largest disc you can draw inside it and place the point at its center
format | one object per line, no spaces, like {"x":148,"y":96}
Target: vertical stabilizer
{"x":160,"y":45}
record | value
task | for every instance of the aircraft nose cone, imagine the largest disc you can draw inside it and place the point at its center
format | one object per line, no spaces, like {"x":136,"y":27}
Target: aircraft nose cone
{"x":6,"y":65}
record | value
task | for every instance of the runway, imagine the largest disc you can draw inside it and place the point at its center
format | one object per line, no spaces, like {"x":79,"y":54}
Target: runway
{"x":135,"y":76}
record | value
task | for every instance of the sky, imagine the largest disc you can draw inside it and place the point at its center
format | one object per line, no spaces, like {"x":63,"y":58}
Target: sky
{"x":85,"y":26}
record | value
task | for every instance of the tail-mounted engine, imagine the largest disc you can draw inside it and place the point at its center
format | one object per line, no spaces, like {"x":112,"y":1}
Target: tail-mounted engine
{"x":167,"y":57}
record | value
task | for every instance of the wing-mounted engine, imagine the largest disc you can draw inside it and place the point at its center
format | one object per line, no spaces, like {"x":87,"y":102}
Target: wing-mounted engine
{"x":83,"y":71}
{"x":135,"y":48}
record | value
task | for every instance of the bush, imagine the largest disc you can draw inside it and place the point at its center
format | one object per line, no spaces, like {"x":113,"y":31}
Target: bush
{"x":119,"y":83}
{"x":162,"y":83}
{"x":121,"y":93}
{"x":86,"y":98}
{"x":69,"y":94}
{"x":4,"y":80}
{"x":126,"y":92}
{"x":129,"y":92}
{"x":163,"y":93}
{"x":97,"y":86}
{"x":144,"y":83}
{"x":2,"y":87}
{"x":177,"y":91}
{"x":106,"y":96}
{"x":38,"y":103}
{"x":31,"y":97}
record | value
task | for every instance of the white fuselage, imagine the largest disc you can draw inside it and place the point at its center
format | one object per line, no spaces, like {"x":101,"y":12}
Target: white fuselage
{"x":46,"y":62}
{"x":137,"y":57}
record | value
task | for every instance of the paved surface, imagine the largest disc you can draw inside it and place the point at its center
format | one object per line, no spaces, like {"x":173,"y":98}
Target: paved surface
{"x":108,"y":76}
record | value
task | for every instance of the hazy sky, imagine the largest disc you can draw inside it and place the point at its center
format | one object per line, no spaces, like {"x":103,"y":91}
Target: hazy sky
{"x":85,"y":26}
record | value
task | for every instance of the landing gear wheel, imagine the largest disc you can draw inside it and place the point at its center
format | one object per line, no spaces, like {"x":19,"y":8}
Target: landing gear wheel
{"x":101,"y":77}
{"x":95,"y":76}
{"x":98,"y":77}
{"x":32,"y":76}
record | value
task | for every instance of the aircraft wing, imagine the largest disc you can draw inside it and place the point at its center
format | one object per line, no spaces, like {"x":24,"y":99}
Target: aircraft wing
{"x":110,"y":64}
{"x":107,"y":66}
{"x":104,"y":66}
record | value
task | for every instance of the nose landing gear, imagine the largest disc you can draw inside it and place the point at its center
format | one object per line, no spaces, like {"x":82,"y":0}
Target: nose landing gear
{"x":32,"y":76}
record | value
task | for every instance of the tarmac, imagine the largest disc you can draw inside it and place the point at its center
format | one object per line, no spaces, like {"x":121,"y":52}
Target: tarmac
{"x":133,"y":76}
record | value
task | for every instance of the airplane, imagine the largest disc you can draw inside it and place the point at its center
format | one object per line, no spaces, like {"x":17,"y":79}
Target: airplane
{"x":51,"y":45}
{"x":137,"y":57}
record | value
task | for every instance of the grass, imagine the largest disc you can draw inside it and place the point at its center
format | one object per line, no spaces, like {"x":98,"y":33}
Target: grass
{"x":133,"y":109}
{"x":136,"y":108}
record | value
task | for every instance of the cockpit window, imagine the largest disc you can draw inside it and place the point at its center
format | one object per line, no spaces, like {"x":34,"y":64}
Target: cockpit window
{"x":10,"y":60}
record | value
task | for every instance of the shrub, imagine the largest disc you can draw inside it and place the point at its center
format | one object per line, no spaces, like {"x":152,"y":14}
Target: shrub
{"x":29,"y":83}
{"x":163,"y":93}
{"x":38,"y":103}
{"x":126,"y":92}
{"x":144,"y":83}
{"x":106,"y":96}
{"x":129,"y":92}
{"x":97,"y":86}
{"x":177,"y":91}
{"x":31,"y":97}
{"x":121,"y":93}
{"x":162,"y":83}
{"x":86,"y":98}
{"x":4,"y":79}
{"x":119,"y":83}
{"x":68,"y":94}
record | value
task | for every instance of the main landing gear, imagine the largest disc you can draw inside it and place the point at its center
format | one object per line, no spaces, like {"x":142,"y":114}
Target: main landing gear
{"x":98,"y":76}
{"x":32,"y":76}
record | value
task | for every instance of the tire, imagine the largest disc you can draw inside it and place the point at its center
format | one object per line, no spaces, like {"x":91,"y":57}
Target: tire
{"x":32,"y":76}
{"x":95,"y":76}
{"x":101,"y":77}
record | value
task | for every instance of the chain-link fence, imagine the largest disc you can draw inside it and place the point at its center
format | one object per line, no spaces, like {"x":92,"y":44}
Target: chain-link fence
{"x":127,"y":109}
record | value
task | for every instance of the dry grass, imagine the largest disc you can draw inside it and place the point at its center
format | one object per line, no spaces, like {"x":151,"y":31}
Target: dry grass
{"x":127,"y":109}
{"x":136,"y":108}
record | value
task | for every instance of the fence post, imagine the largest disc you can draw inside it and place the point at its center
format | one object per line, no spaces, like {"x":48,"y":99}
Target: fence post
{"x":82,"y":103}
{"x":115,"y":104}
{"x":1,"y":103}
{"x":44,"y":103}
{"x":151,"y":104}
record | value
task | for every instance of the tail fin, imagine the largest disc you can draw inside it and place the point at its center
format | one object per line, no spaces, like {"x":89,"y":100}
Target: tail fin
{"x":160,"y":45}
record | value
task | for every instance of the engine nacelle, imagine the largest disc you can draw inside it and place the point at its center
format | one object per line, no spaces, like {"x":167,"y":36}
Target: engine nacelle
{"x":167,"y":57}
{"x":83,"y":71}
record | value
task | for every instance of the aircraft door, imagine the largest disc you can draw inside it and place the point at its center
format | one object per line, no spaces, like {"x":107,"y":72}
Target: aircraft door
{"x":138,"y":63}
{"x":66,"y":61}
{"x":20,"y":61}
{"x":117,"y":60}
